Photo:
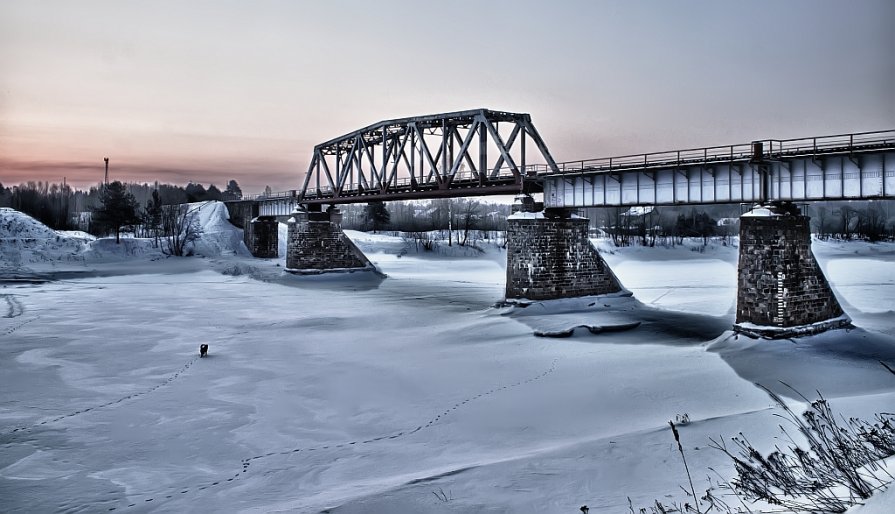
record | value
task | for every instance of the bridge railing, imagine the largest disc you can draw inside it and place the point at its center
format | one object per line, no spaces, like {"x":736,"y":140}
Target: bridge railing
{"x":275,"y":195}
{"x":773,"y":148}
{"x":844,"y":142}
{"x":460,"y":178}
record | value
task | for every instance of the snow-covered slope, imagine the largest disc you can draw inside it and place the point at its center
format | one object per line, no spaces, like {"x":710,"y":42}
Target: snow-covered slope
{"x":219,"y":237}
{"x":27,"y":243}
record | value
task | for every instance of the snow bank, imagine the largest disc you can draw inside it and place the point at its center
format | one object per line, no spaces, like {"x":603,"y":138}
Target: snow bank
{"x":536,"y":216}
{"x":26,"y":242}
{"x":219,"y":237}
{"x":760,"y":212}
{"x":526,"y":216}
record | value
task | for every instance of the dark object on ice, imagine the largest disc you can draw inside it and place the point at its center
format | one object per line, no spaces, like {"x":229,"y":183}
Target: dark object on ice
{"x":584,"y":509}
{"x":203,"y":350}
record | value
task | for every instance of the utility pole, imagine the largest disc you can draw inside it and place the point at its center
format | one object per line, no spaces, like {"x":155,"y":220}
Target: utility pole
{"x":106,"y":179}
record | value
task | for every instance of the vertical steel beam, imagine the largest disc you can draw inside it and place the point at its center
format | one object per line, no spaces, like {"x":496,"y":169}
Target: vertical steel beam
{"x":842,"y":176}
{"x":483,"y":153}
{"x":412,"y":156}
{"x":444,"y":139}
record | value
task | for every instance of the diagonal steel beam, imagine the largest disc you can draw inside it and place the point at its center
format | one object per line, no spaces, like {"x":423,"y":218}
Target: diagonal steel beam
{"x":498,"y":141}
{"x":464,"y":149}
{"x":542,"y":147}
{"x":400,"y":153}
{"x":469,"y":162}
{"x":510,"y":141}
{"x":308,"y":174}
{"x":424,"y":150}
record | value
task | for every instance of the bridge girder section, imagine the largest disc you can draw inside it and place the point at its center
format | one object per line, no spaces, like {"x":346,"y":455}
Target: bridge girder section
{"x":479,"y":151}
{"x":859,"y":166}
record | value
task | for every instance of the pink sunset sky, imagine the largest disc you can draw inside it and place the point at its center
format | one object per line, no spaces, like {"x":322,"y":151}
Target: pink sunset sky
{"x":208,"y":91}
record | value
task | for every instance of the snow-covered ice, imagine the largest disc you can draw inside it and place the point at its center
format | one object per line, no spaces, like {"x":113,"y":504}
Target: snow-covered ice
{"x":362,"y":394}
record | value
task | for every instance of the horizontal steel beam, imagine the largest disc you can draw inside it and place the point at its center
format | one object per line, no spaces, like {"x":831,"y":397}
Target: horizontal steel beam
{"x":506,"y":189}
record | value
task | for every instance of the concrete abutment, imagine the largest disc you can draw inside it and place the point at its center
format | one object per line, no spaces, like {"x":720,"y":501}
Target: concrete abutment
{"x":781,"y":289}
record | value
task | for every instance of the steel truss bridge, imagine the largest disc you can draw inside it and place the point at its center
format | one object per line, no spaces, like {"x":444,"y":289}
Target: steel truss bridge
{"x":453,"y":154}
{"x":483,"y":152}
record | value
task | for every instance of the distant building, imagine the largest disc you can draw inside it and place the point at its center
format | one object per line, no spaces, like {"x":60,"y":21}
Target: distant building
{"x":728,"y":222}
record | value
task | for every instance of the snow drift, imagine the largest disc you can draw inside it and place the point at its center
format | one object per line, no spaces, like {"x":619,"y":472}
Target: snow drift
{"x":26,"y":242}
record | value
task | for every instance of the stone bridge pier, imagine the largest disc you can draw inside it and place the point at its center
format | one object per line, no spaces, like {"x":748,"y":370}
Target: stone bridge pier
{"x":781,"y":290}
{"x":316,"y":244}
{"x":549,"y":256}
{"x":260,"y":233}
{"x":261,"y":236}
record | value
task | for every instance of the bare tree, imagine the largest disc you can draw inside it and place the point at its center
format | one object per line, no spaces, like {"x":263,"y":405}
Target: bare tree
{"x":848,"y":215}
{"x":872,"y":222}
{"x":469,"y":218}
{"x":181,"y":228}
{"x":821,"y":216}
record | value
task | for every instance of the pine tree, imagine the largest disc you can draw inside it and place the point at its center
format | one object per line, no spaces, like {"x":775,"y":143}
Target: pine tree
{"x":233,"y":191}
{"x":377,"y":214}
{"x":152,"y":216}
{"x":118,"y":208}
{"x":213,"y":193}
{"x":195,"y":192}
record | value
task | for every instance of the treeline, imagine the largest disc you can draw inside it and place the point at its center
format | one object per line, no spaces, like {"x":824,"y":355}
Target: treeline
{"x":62,"y":208}
{"x":871,"y":221}
{"x":669,"y":225}
{"x":462,"y":218}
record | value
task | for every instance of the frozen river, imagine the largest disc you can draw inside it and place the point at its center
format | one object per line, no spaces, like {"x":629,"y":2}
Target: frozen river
{"x":408,"y":394}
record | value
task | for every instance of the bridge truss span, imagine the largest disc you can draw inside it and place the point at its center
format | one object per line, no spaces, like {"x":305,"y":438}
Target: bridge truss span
{"x":465,"y":153}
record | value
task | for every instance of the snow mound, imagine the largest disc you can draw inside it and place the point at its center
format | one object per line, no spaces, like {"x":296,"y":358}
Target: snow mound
{"x":219,"y":237}
{"x":24,"y":241}
{"x":18,"y":225}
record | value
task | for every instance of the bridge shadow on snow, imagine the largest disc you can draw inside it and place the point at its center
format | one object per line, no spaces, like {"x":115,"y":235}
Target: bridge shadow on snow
{"x":841,"y":362}
{"x":619,"y":320}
